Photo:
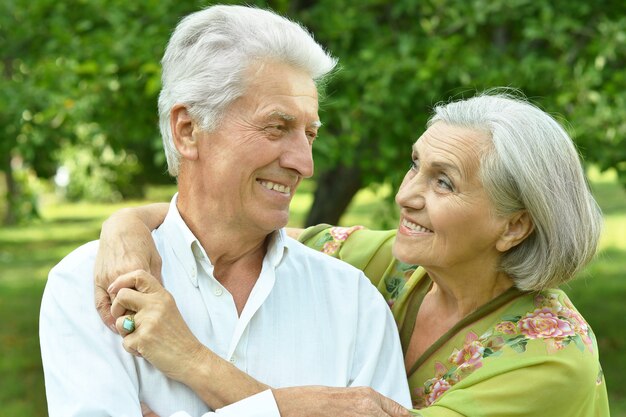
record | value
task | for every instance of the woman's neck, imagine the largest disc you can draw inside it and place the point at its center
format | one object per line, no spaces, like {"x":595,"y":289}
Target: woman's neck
{"x":460,"y":293}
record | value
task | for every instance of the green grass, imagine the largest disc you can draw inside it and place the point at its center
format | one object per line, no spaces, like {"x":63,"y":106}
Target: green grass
{"x":28,"y":252}
{"x":600,"y":290}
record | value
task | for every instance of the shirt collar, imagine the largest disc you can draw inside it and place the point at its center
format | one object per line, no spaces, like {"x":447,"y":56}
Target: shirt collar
{"x":276,"y":247}
{"x":180,"y":240}
{"x":187,"y":248}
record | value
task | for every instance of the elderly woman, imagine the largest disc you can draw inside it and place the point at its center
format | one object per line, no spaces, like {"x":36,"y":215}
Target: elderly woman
{"x":496,"y":212}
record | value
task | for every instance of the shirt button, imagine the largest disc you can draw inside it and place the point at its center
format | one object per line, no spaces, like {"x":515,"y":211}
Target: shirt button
{"x":232,"y":360}
{"x":218,"y":292}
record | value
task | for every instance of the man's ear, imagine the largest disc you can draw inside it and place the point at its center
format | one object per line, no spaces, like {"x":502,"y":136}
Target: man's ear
{"x":519,"y":226}
{"x":183,"y":127}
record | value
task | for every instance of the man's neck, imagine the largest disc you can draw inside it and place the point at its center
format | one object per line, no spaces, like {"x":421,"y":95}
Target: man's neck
{"x":236,"y":255}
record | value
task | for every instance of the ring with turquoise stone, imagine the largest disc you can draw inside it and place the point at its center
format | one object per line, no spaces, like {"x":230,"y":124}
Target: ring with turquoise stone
{"x":129,"y":324}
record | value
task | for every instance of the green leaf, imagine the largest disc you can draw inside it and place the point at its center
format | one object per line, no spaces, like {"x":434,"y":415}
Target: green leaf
{"x":519,"y":347}
{"x":579,"y":342}
{"x":490,"y":352}
{"x":518,"y":343}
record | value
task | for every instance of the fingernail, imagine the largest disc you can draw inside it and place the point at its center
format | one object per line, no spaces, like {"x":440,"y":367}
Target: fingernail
{"x":110,"y":288}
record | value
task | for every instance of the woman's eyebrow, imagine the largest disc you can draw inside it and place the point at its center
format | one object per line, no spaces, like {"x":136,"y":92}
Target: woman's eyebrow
{"x":445,"y":166}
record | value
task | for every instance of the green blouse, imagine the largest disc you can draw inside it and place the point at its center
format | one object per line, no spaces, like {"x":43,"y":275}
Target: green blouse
{"x":521,"y":354}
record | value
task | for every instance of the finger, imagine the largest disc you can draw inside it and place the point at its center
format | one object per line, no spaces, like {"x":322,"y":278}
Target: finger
{"x":141,"y":280}
{"x":119,"y":324}
{"x":103,"y":305}
{"x":130,"y":345}
{"x":127,"y":300}
{"x":130,"y":338}
{"x":392,"y":408}
{"x":146,"y":411}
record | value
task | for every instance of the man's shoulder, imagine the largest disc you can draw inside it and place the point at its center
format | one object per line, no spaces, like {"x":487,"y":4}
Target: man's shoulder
{"x":299,"y":252}
{"x":70,"y":284}
{"x":77,"y":263}
{"x":330,"y":274}
{"x":344,"y":284}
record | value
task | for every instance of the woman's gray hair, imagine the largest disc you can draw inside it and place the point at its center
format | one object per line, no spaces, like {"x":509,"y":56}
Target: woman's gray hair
{"x":206,"y":59}
{"x":532,"y":165}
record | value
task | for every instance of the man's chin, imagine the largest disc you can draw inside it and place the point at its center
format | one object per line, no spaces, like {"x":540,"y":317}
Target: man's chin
{"x":275,"y":221}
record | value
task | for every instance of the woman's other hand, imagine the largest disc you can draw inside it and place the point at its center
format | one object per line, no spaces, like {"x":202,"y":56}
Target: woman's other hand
{"x":147,"y":412}
{"x":317,"y":401}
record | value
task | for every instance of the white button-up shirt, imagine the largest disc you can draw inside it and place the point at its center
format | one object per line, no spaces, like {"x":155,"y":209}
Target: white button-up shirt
{"x":309,"y":320}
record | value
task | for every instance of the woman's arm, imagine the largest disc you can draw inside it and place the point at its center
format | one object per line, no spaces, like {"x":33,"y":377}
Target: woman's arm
{"x":162,"y":337}
{"x":126,"y":245}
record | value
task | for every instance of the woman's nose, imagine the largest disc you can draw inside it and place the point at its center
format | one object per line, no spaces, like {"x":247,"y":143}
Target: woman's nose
{"x":411,"y":192}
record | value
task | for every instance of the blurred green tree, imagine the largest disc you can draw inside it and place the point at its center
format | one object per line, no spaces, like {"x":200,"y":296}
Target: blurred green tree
{"x":78,"y":87}
{"x":79,"y":81}
{"x":401,"y":57}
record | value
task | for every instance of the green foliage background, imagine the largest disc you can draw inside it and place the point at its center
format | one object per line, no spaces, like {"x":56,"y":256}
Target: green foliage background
{"x":79,"y":81}
{"x":78,"y":87}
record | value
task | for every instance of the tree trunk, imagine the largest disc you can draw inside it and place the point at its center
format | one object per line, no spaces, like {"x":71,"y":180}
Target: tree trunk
{"x":335,"y":189}
{"x":12,"y":196}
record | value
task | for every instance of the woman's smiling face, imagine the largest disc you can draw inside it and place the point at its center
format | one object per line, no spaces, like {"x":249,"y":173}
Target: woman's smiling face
{"x":446,"y":217}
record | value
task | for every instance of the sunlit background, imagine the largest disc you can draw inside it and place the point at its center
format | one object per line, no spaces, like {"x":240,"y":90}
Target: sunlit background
{"x":79,"y":137}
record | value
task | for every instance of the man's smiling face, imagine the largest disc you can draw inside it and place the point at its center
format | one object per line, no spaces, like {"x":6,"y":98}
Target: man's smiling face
{"x":253,"y":162}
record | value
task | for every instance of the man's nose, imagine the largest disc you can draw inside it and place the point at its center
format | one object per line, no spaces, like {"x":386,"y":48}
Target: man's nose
{"x":299,"y":155}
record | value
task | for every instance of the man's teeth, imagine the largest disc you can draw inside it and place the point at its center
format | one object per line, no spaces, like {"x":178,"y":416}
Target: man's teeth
{"x":414,"y":226}
{"x":276,"y":187}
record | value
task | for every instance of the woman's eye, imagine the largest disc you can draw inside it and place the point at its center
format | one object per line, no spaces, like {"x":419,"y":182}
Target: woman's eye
{"x":414,"y":166}
{"x":445,"y":183}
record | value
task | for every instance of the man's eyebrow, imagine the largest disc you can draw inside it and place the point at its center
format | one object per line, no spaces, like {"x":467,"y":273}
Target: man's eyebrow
{"x":281,"y":115}
{"x":290,"y":118}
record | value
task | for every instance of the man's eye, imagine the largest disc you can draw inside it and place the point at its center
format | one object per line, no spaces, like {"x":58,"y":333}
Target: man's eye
{"x":275,"y":130}
{"x":414,"y":165}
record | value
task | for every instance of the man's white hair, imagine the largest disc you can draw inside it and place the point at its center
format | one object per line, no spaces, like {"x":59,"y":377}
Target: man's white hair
{"x":206,"y":59}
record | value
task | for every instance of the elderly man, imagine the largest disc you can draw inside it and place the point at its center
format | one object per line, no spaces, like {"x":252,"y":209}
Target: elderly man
{"x":238,"y":116}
